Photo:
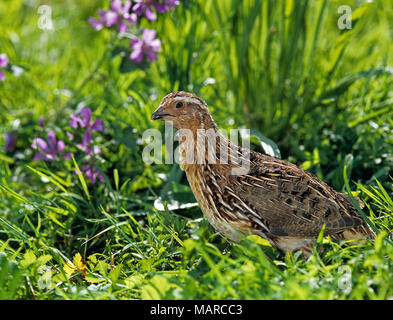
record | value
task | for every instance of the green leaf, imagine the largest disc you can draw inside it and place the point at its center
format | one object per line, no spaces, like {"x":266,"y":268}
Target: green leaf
{"x":379,"y":241}
{"x":133,"y":281}
{"x":157,"y":288}
{"x":257,"y":239}
{"x":116,"y":178}
{"x":94,"y":278}
{"x":10,"y":277}
{"x":44,"y":259}
{"x":320,"y":235}
{"x":114,"y":274}
{"x":268,"y":145}
{"x":28,"y":258}
{"x":6,"y":159}
{"x":102,"y":268}
{"x":178,"y":196}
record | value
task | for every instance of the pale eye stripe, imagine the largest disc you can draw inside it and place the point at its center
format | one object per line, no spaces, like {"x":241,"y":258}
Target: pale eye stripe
{"x":188,"y":99}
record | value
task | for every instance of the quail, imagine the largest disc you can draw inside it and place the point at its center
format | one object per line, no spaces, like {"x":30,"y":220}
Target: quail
{"x":272,"y":198}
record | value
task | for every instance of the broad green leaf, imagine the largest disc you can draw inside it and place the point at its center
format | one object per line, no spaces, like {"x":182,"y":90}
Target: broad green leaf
{"x":268,"y":145}
{"x":28,"y":258}
{"x":157,"y":288}
{"x":177,"y":197}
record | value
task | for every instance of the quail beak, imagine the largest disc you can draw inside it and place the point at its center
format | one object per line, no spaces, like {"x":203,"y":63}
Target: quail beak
{"x":159,"y":114}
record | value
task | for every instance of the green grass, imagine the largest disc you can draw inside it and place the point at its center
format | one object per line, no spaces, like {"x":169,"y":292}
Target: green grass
{"x":282,"y":68}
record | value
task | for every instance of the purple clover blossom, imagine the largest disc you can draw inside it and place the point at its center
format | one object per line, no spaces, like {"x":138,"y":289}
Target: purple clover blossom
{"x":172,"y":3}
{"x":10,"y":141}
{"x":70,"y":135}
{"x":118,"y":13}
{"x":3,"y":60}
{"x":92,"y":173}
{"x":148,"y":46}
{"x":96,"y":23}
{"x":84,"y":121}
{"x":3,"y":63}
{"x":146,"y":7}
{"x":94,"y":149}
{"x":49,"y":150}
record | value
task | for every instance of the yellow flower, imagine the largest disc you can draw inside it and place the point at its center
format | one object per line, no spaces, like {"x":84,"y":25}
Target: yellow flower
{"x":77,"y":266}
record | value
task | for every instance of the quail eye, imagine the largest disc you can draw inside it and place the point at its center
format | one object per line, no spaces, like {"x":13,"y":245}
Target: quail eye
{"x":179,"y":105}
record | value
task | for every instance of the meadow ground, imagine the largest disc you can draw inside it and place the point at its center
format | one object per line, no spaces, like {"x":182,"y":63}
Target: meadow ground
{"x":83,"y":216}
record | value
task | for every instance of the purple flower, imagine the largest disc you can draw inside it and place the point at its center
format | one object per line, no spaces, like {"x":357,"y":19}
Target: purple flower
{"x":49,"y":150}
{"x":118,"y":13}
{"x":172,"y":3}
{"x":70,"y":135}
{"x":84,"y":121}
{"x":94,"y":149}
{"x":146,"y":7}
{"x":41,"y":122}
{"x":92,"y":173}
{"x":3,"y":63}
{"x":9,"y":142}
{"x":3,"y":60}
{"x":147,"y":45}
{"x":96,"y":23}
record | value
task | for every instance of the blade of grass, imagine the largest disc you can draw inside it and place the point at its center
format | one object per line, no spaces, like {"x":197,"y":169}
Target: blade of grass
{"x":13,"y":194}
{"x":43,"y":175}
{"x":354,"y":202}
{"x":81,"y":179}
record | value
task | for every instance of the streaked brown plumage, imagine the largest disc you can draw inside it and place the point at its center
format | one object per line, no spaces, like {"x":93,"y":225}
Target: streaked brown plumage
{"x":275,"y":199}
